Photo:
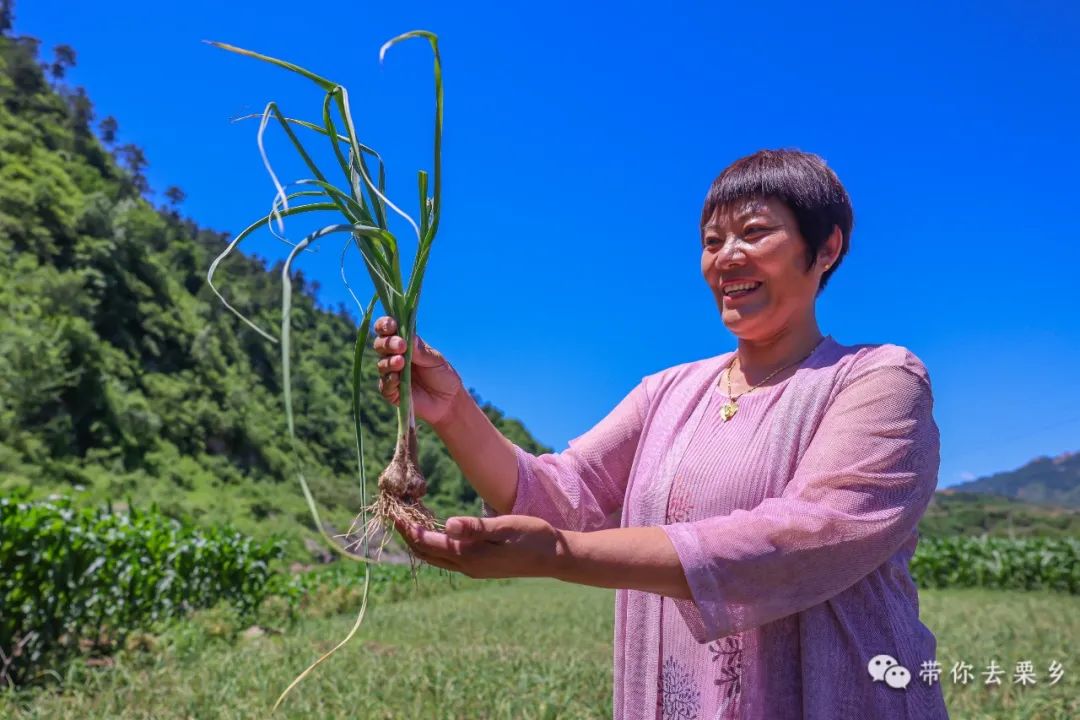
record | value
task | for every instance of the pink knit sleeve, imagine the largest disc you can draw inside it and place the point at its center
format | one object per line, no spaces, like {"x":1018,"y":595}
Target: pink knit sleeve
{"x":857,"y":494}
{"x":582,"y":487}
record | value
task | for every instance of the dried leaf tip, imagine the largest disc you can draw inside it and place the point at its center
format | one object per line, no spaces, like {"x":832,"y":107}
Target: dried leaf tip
{"x":431,"y":38}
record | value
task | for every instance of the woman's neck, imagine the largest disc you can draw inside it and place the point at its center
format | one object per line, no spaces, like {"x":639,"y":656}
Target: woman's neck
{"x":758,"y":358}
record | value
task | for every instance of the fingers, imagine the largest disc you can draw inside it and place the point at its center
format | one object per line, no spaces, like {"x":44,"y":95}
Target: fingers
{"x":408,"y":535}
{"x":465,"y":528}
{"x":486,"y":529}
{"x":390,"y":346}
{"x":385,"y":325}
{"x":389,"y":387}
{"x":439,"y":551}
{"x":436,"y":545}
{"x":387,"y":343}
{"x":391,"y":364}
{"x":389,"y":383}
{"x":438,"y":562}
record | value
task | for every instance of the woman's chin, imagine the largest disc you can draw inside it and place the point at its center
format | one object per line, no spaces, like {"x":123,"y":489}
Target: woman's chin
{"x":744,"y":323}
{"x":738,"y":315}
{"x":734,"y":322}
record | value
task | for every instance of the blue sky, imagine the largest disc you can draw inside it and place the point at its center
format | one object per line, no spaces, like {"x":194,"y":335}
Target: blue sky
{"x":580,"y":140}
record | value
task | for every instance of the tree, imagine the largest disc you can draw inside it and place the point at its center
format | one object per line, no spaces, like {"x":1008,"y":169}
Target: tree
{"x":63,"y":58}
{"x":108,"y":128}
{"x":82,"y":110}
{"x":134,"y":159}
{"x":7,"y":15}
{"x":175,"y":196}
{"x":23,"y":68}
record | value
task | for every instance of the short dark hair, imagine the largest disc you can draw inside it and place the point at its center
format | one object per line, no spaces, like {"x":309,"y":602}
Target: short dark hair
{"x":803,"y":182}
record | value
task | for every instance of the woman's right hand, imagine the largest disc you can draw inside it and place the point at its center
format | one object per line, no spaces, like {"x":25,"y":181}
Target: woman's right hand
{"x":434,"y":383}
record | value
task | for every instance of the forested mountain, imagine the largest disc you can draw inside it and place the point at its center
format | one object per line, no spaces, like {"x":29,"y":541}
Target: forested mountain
{"x":122,"y":376}
{"x":1044,"y":480}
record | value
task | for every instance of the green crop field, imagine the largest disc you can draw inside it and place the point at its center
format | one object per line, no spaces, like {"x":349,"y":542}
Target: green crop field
{"x":523,"y":649}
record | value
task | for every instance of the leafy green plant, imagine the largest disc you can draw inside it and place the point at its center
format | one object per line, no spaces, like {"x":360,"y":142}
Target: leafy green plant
{"x":1038,"y":563}
{"x":93,"y":576}
{"x":362,"y":208}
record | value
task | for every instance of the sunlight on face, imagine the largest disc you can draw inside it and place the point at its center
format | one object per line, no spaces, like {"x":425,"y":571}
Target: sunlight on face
{"x":758,"y":242}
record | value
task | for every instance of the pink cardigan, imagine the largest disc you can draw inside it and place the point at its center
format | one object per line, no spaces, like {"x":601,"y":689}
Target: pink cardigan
{"x":794,"y":523}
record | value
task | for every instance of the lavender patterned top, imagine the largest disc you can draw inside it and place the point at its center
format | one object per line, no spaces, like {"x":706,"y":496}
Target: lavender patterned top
{"x":794,"y":522}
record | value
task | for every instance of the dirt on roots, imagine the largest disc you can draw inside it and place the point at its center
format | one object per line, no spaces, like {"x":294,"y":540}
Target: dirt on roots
{"x":401,"y":487}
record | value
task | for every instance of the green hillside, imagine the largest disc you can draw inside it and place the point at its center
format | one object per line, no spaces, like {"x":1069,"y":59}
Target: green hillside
{"x":122,"y":376}
{"x":967,"y":513}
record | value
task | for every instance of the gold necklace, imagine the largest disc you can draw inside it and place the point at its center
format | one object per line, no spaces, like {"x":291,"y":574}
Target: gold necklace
{"x":728,"y":410}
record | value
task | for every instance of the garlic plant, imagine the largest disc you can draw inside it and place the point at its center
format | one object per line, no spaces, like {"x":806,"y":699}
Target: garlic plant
{"x":361,"y":206}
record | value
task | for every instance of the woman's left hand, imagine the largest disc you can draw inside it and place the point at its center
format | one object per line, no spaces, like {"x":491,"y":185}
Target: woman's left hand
{"x":499,"y":547}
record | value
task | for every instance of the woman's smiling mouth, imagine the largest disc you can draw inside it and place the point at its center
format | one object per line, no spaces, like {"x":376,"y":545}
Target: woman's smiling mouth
{"x":735,"y":290}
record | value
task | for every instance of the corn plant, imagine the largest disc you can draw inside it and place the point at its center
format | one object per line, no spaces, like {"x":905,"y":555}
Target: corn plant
{"x":90,"y":573}
{"x":361,"y":209}
{"x":1037,"y":563}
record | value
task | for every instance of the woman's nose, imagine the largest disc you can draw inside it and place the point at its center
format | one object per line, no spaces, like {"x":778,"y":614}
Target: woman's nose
{"x":731,"y":253}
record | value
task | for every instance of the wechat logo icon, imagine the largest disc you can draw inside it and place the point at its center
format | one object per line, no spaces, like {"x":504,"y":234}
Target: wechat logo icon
{"x":884,"y":668}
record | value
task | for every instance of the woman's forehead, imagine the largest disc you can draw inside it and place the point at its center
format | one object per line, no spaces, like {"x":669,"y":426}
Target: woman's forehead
{"x":739,"y":210}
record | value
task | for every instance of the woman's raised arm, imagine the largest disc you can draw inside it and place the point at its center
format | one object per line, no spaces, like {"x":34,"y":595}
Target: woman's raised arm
{"x":484,"y":454}
{"x":577,"y":489}
{"x":581,"y":488}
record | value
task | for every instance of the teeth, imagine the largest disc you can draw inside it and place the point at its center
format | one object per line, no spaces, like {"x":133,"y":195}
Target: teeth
{"x":740,"y":286}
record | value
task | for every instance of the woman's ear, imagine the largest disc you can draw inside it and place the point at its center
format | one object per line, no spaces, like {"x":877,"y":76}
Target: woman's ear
{"x":833,"y":245}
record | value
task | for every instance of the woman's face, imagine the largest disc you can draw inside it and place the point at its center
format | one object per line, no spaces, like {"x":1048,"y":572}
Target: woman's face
{"x":759,"y":242}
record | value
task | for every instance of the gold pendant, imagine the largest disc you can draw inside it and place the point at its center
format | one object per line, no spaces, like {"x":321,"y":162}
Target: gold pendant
{"x":728,"y":411}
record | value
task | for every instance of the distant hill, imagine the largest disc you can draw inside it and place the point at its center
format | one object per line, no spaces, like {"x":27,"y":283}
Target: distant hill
{"x":1044,"y":480}
{"x":1040,"y":498}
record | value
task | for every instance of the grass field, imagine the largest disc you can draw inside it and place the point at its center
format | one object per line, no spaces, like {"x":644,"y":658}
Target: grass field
{"x":526,"y":649}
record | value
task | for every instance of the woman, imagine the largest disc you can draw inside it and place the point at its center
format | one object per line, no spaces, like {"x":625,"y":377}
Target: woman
{"x":756,"y":511}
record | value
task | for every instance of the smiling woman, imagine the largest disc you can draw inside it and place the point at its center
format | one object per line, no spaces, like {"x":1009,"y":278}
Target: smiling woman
{"x":756,"y":510}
